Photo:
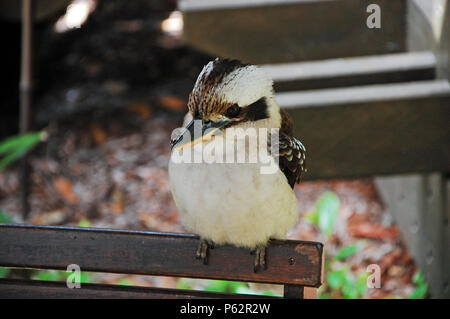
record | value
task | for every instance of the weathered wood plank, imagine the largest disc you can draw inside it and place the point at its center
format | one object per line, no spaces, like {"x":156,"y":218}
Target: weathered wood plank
{"x":290,"y":31}
{"x":138,"y":252}
{"x":24,"y":289}
{"x":356,"y":71}
{"x":363,"y":94}
{"x":354,"y":135}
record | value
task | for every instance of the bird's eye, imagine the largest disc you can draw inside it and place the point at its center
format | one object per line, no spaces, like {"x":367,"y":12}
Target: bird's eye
{"x":233,"y":111}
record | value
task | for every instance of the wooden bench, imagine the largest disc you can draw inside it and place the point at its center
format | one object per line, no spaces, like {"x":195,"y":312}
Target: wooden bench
{"x":294,"y":264}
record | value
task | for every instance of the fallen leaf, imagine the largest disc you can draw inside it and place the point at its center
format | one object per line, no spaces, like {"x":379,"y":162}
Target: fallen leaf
{"x":115,"y":87}
{"x":141,"y":108}
{"x":172,"y":102}
{"x":395,"y":271}
{"x":98,"y":134}
{"x":117,"y":205}
{"x":366,"y":230}
{"x":64,"y":187}
{"x":55,"y":217}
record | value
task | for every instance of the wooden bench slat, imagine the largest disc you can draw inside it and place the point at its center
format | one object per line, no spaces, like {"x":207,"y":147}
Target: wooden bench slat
{"x":376,"y":136}
{"x":352,"y":71}
{"x":13,"y":288}
{"x":289,"y":31}
{"x":350,"y":66}
{"x":147,"y":253}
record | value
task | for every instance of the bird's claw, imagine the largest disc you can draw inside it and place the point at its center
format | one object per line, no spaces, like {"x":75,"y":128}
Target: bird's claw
{"x":203,"y":250}
{"x":260,"y":258}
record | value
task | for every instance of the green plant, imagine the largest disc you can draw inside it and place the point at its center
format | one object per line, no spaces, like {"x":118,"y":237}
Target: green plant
{"x":4,"y":272}
{"x":84,"y":223}
{"x":340,"y":280}
{"x":58,"y":275}
{"x":4,"y":218}
{"x":421,"y":290}
{"x":14,"y":147}
{"x":325,"y":213}
{"x":224,"y":286}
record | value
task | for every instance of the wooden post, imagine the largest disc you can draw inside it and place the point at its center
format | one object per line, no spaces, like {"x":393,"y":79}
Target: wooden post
{"x":26,"y":88}
{"x":293,"y":292}
{"x":420,"y":206}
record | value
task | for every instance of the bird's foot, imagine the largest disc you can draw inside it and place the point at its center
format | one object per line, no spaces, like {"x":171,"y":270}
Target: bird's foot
{"x":203,"y":250}
{"x":260,"y":258}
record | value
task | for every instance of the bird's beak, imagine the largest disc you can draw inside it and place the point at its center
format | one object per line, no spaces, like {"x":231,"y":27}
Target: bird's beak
{"x":197,"y":131}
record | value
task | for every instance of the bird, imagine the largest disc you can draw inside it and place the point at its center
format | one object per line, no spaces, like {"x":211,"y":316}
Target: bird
{"x":231,"y":202}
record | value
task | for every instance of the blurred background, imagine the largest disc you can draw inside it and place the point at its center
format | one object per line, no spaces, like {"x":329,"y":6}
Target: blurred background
{"x":105,"y":82}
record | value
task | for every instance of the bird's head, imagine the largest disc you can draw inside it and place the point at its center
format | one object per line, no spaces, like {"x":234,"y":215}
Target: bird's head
{"x":228,"y":94}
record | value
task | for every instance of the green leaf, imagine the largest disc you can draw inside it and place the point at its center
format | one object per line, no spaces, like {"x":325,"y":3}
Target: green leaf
{"x":336,"y":278}
{"x":418,"y":278}
{"x":51,"y":275}
{"x":420,"y":292}
{"x":346,"y":251}
{"x":225,"y":286}
{"x":312,"y":217}
{"x":216,"y":286}
{"x":234,"y":286}
{"x":19,"y":142}
{"x":4,"y":218}
{"x":421,"y":286}
{"x":325,"y":295}
{"x":361,"y":284}
{"x":84,"y":223}
{"x":3,"y":272}
{"x":124,"y":282}
{"x":84,"y":278}
{"x":327,"y":209}
{"x":14,"y":147}
{"x":183,"y":284}
{"x":5,"y":161}
{"x":245,"y":290}
{"x":349,"y":291}
{"x":269,"y":293}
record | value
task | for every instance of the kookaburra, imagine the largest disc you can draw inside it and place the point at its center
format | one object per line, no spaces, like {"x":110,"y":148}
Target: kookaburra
{"x":230,"y":202}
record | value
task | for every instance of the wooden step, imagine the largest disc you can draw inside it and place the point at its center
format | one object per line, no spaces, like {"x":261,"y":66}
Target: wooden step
{"x":373,"y":130}
{"x":362,"y":94}
{"x":268,"y":31}
{"x":343,"y":72}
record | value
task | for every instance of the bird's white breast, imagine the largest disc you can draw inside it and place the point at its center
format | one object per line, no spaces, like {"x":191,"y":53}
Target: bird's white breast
{"x":233,"y":202}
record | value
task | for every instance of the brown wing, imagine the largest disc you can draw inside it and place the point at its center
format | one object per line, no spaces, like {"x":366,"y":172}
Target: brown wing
{"x":292,"y":158}
{"x":291,"y":152}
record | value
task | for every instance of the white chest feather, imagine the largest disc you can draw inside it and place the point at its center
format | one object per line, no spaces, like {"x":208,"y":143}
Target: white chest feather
{"x":233,"y":202}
